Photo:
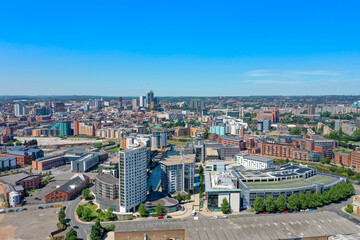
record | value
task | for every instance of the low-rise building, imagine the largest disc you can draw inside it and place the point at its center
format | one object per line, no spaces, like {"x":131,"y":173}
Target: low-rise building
{"x":220,"y":185}
{"x":7,"y":163}
{"x":49,"y":162}
{"x":70,"y":189}
{"x":253,"y":162}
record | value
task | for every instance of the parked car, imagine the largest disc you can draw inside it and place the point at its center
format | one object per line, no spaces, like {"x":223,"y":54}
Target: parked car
{"x":196,"y":218}
{"x":264,"y":212}
{"x":168,"y":216}
{"x":214,"y":217}
{"x":285,"y":211}
{"x":11,"y":210}
{"x":24,"y":209}
{"x":76,"y":227}
{"x":160,"y":217}
{"x":18,"y":210}
{"x":222,"y":217}
{"x":2,"y":210}
{"x":40,"y":207}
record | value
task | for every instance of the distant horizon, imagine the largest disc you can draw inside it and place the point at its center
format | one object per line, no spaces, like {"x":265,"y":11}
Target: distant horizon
{"x":74,"y":95}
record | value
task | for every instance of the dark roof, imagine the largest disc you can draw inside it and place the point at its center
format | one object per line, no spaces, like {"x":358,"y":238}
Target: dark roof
{"x":71,"y":185}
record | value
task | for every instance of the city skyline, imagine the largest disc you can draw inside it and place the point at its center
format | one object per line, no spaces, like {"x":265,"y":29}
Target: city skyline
{"x":179,"y":49}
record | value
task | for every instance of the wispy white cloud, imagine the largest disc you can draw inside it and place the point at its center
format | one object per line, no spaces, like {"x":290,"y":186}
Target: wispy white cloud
{"x":271,"y":82}
{"x":317,"y":72}
{"x":269,"y":72}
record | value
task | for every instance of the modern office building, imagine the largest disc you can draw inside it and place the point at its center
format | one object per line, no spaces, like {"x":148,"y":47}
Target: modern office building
{"x":178,"y":173}
{"x":263,"y":125}
{"x":253,"y":162}
{"x":59,"y":107}
{"x":49,"y":162}
{"x":19,"y":109}
{"x":85,"y":163}
{"x":63,"y":127}
{"x":220,"y":185}
{"x":159,"y":139}
{"x":7,"y":163}
{"x":286,"y":180}
{"x":132,"y":177}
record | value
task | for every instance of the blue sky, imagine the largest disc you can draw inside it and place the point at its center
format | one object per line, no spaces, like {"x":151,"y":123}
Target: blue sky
{"x":179,"y":48}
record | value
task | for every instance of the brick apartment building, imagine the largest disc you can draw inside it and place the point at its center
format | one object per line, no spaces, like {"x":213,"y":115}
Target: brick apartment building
{"x":227,"y":140}
{"x":342,"y":158}
{"x":272,"y":115}
{"x":21,"y":159}
{"x":355,"y":159}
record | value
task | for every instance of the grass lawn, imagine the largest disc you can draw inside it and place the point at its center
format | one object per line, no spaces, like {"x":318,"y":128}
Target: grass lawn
{"x":116,"y":149}
{"x":279,"y":184}
{"x":174,"y":142}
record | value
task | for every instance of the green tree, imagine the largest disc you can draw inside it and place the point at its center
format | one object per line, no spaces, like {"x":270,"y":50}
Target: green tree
{"x":179,"y":198}
{"x":280,"y":203}
{"x":349,"y":208}
{"x":143,"y":210}
{"x":86,"y":215}
{"x":350,"y":172}
{"x":259,"y":205}
{"x":109,"y":214}
{"x":201,"y":170}
{"x":97,"y":231}
{"x":225,"y":206}
{"x":295,"y":131}
{"x":293,"y":202}
{"x":270,"y":205}
{"x":302,"y":200}
{"x":325,"y":160}
{"x":86,"y":194}
{"x":71,"y":235}
{"x":160,"y":210}
{"x":188,"y":196}
{"x":80,"y":210}
{"x":18,"y":143}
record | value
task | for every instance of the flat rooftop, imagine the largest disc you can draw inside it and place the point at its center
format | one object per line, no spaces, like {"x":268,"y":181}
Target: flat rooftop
{"x":255,"y":157}
{"x":219,"y":181}
{"x":178,"y":159}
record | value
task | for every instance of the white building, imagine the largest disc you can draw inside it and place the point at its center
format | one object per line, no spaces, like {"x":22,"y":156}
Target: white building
{"x":159,"y":139}
{"x":19,"y":109}
{"x":132,"y":177}
{"x":252,"y":162}
{"x":178,"y":173}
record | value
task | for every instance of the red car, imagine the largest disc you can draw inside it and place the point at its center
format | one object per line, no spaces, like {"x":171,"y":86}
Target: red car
{"x":285,"y":211}
{"x":160,"y":217}
{"x":264,"y":212}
